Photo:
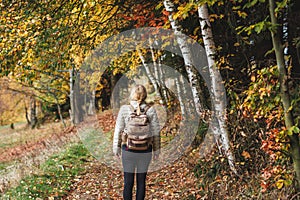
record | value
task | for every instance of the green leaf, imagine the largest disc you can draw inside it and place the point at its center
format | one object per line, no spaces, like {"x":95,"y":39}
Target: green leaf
{"x":293,"y":129}
{"x":259,"y":27}
{"x":251,"y":4}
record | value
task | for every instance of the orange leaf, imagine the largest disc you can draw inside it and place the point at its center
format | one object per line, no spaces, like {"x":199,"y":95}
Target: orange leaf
{"x":246,"y":154}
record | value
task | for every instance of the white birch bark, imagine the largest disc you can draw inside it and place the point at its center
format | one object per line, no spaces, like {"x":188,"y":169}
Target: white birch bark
{"x":217,"y":89}
{"x":184,"y":93}
{"x":187,"y":56}
{"x":157,"y":74}
{"x":149,"y":74}
{"x":179,"y":94}
{"x":162,"y":79}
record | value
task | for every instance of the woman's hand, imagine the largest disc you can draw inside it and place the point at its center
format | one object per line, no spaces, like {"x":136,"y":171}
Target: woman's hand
{"x":155,"y":156}
{"x":118,"y":156}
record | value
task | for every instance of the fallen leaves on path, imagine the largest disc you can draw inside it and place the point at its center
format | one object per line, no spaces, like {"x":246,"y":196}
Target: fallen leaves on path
{"x":101,"y":182}
{"x":104,"y":183}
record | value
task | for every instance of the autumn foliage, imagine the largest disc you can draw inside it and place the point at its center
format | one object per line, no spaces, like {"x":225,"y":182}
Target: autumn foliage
{"x":44,"y":43}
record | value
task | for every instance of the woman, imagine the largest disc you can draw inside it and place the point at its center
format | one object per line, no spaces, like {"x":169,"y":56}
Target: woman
{"x":136,"y":162}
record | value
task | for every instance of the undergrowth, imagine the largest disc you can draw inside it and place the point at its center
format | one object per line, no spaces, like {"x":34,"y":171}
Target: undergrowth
{"x":216,"y":181}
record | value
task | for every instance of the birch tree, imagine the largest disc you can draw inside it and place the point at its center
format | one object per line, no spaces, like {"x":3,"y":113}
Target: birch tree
{"x":284,"y":93}
{"x":149,"y":74}
{"x":159,"y":72}
{"x":217,"y":89}
{"x":158,"y":75}
{"x":219,"y":127}
{"x":187,"y":56}
{"x":179,"y":94}
{"x":162,"y":80}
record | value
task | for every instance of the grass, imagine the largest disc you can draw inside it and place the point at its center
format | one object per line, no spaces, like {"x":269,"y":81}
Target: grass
{"x":55,"y":177}
{"x":3,"y":165}
{"x":10,"y":138}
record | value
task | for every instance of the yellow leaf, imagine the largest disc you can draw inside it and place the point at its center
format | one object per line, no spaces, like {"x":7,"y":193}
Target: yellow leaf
{"x":279,"y":183}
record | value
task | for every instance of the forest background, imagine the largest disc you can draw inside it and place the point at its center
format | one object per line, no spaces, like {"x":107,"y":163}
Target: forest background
{"x":254,"y":44}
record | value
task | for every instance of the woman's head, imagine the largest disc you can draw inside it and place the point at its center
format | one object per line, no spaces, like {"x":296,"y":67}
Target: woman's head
{"x":138,"y":93}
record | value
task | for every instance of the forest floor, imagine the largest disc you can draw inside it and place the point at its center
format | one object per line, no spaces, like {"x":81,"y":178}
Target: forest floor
{"x":80,"y":176}
{"x":101,"y":182}
{"x":98,"y":181}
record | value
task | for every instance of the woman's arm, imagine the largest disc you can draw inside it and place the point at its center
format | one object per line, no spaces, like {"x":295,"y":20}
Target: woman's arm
{"x":119,"y":127}
{"x":155,"y":130}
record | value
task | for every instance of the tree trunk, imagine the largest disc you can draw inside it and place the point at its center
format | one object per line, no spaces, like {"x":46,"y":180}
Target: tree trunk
{"x":76,"y":98}
{"x":285,"y":34}
{"x":33,"y":118}
{"x":92,"y":104}
{"x":159,"y":76}
{"x":187,"y":56}
{"x":284,"y":93}
{"x":26,"y":113}
{"x":60,"y":114}
{"x":154,"y":60}
{"x":180,"y":99}
{"x":78,"y":101}
{"x":72,"y":102}
{"x":86,"y":96}
{"x":162,"y":80}
{"x":185,"y":94}
{"x":217,"y":89}
{"x":150,"y":75}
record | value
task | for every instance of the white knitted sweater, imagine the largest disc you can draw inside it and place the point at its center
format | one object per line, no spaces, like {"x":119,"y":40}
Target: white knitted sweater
{"x":122,"y":119}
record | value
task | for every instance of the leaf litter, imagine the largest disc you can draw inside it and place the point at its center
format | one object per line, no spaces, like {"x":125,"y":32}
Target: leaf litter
{"x":102,"y":182}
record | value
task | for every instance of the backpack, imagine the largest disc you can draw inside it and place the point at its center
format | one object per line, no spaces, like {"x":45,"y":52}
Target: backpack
{"x":137,"y":134}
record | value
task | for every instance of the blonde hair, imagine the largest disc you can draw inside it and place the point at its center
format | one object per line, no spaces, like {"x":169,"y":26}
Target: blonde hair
{"x":138,"y":93}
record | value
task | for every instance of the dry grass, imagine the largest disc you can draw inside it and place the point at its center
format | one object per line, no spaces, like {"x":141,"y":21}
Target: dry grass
{"x":10,"y":138}
{"x":25,"y":155}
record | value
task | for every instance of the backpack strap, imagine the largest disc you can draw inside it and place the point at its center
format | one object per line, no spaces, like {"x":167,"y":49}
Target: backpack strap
{"x":132,"y":108}
{"x":144,"y":110}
